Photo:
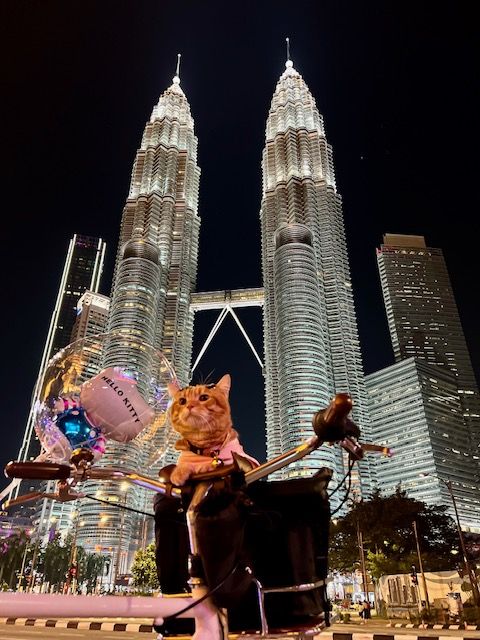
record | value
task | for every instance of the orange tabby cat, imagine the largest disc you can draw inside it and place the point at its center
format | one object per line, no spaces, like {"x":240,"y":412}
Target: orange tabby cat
{"x":201,"y":415}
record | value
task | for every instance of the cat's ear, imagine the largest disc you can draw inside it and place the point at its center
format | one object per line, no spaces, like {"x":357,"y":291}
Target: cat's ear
{"x":172,"y":388}
{"x":224,"y":384}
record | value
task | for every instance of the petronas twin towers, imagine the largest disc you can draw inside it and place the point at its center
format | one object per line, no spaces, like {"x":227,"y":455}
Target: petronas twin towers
{"x":310,"y":331}
{"x":311,"y":339}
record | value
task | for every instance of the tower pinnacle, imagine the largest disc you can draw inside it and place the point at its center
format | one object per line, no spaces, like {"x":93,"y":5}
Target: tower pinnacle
{"x":176,"y":77}
{"x":288,"y":63}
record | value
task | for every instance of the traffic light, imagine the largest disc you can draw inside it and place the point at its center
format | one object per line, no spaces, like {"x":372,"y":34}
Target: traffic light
{"x":413,"y":575}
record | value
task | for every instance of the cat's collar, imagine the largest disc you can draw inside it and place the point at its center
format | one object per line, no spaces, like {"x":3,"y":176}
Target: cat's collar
{"x":213,"y":452}
{"x":205,"y":451}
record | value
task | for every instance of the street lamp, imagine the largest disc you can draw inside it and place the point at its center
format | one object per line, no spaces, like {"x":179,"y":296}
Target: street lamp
{"x":362,"y":560}
{"x":420,"y":564}
{"x":123,"y":487}
{"x":470,"y":572}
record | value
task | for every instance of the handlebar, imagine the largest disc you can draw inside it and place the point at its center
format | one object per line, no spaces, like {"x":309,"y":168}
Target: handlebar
{"x":38,"y":470}
{"x":331,"y":424}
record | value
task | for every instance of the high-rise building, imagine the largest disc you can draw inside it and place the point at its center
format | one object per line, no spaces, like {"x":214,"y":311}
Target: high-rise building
{"x":415,"y":409}
{"x":422,"y":315}
{"x":82,"y":271}
{"x":92,"y":315}
{"x":154,"y":277}
{"x":310,"y":331}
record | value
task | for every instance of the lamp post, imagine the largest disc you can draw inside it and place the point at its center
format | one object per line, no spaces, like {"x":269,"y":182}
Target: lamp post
{"x":104,"y":518}
{"x":124,"y":486}
{"x":362,"y":561}
{"x":72,"y":580}
{"x":470,"y":572}
{"x":31,"y":582}
{"x":420,"y":564}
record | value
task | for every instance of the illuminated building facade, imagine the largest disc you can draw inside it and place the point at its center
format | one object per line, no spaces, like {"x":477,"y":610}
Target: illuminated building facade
{"x":310,"y":331}
{"x":423,"y":318}
{"x":415,"y":409}
{"x":155,"y":274}
{"x":92,"y":315}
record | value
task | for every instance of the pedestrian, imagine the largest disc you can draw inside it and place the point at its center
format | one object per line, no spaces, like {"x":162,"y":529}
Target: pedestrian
{"x":365,"y":612}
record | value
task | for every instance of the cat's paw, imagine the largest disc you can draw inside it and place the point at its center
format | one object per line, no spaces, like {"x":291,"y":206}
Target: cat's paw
{"x":204,"y":467}
{"x":180,"y":475}
{"x":183,"y":472}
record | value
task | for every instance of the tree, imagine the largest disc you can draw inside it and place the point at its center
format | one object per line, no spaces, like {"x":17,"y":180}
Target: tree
{"x":386,"y":524}
{"x":56,"y":560}
{"x":144,"y":569}
{"x":15,"y":550}
{"x":90,"y":567}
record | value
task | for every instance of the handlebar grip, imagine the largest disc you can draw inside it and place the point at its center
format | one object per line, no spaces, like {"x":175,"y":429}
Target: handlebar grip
{"x":331,"y":424}
{"x":37,"y":470}
{"x":338,"y":409}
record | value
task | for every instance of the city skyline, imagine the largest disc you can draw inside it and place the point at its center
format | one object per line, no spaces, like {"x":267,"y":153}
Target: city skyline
{"x":218,"y":264}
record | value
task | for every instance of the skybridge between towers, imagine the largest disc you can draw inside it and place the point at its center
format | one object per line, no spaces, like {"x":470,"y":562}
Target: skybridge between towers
{"x":226,"y":301}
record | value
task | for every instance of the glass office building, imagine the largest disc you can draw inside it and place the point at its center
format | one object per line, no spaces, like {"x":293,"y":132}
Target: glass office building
{"x":423,"y":317}
{"x":415,"y":409}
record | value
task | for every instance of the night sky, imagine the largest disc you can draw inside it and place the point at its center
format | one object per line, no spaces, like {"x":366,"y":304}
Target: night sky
{"x":397,"y":83}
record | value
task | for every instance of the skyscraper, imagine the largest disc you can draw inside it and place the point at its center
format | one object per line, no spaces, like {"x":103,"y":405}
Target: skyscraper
{"x":415,"y":409}
{"x":92,"y":315}
{"x":82,"y":270}
{"x":311,"y":338}
{"x":422,"y":315}
{"x":155,"y":274}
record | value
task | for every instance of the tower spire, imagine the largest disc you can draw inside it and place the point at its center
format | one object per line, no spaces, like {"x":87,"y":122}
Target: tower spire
{"x":176,"y":78}
{"x":288,"y":63}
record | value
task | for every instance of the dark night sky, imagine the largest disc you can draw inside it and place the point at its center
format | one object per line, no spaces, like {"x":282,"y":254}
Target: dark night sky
{"x":397,"y":83}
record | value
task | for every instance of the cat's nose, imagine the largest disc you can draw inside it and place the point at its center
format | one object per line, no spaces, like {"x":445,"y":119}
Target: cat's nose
{"x":190,"y":406}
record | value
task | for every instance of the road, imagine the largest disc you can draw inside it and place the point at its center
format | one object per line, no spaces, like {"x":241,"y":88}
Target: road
{"x":17,"y":632}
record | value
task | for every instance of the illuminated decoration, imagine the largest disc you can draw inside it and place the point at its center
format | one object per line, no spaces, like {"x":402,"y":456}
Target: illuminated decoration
{"x":75,"y":410}
{"x":311,"y":337}
{"x":76,"y":428}
{"x":81,"y":272}
{"x":109,"y":410}
{"x":423,"y":316}
{"x":415,"y":408}
{"x":155,"y":274}
{"x":90,"y":320}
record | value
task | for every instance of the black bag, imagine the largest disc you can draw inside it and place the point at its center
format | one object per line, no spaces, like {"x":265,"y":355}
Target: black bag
{"x":278,"y":529}
{"x":171,"y":544}
{"x":221,"y":528}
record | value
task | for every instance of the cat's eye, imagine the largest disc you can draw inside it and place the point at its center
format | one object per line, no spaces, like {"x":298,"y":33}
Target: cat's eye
{"x":182,"y":401}
{"x":203,"y":397}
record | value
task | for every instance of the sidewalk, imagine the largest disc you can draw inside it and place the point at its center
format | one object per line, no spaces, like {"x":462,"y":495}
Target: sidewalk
{"x":137,"y":625}
{"x":403,"y":624}
{"x":338,"y":630}
{"x":409,"y":625}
